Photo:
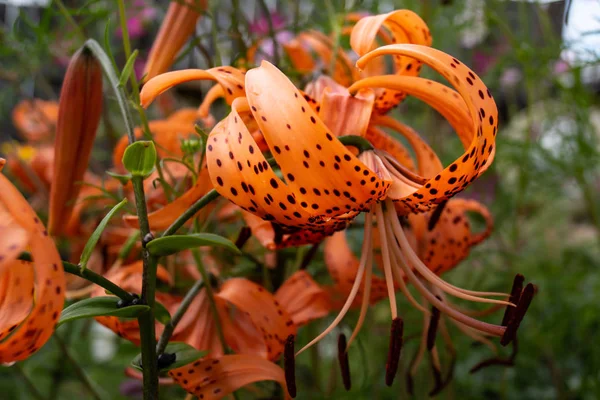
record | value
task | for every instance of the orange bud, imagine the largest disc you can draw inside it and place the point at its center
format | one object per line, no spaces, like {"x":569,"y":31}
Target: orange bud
{"x":79,"y":112}
{"x":177,"y":27}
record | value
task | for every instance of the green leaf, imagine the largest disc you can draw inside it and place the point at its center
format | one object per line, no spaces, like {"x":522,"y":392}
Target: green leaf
{"x":139,"y":158}
{"x":93,"y":240}
{"x":128,"y":245}
{"x":161,"y":314}
{"x":167,"y":245}
{"x":123,"y":178}
{"x":126,"y":73}
{"x":100,"y":306}
{"x":184,"y":355}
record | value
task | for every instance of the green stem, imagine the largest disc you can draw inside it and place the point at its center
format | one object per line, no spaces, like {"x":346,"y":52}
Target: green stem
{"x":146,"y":320}
{"x":170,"y":327}
{"x":190,"y":212}
{"x":77,"y":368}
{"x":34,"y":392}
{"x":211,"y":298}
{"x":89,"y":276}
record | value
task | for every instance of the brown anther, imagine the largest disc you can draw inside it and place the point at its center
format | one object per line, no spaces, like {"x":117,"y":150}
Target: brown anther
{"x":437,"y":379}
{"x":435,"y":215}
{"x":409,"y":384}
{"x":515,"y":295}
{"x":393,"y":359}
{"x":243,"y":236}
{"x":517,"y":316}
{"x":433,"y":325}
{"x":343,"y":360}
{"x":289,"y":365}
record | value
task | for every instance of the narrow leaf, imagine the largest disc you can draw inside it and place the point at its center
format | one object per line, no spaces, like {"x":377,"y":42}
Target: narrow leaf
{"x":100,"y":306}
{"x":161,"y":314}
{"x":126,"y":73}
{"x":93,"y":240}
{"x":183,"y":353}
{"x":167,"y":245}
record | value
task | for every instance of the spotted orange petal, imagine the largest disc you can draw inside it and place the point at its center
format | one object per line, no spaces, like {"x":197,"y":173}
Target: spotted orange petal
{"x":272,"y":323}
{"x":326,"y":178}
{"x":215,"y":378}
{"x":381,"y":140}
{"x":451,"y":240}
{"x":405,"y":27}
{"x":231,"y":79}
{"x":31,"y":333}
{"x":303,"y":298}
{"x":484,"y":117}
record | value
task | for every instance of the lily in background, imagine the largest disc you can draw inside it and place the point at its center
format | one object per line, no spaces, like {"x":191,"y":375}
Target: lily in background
{"x":31,"y":293}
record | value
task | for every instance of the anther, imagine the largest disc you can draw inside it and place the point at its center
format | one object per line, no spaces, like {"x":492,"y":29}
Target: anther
{"x":515,"y":295}
{"x":517,"y":315}
{"x":433,"y":325}
{"x":147,"y":239}
{"x":435,"y":215}
{"x":343,"y":360}
{"x":289,"y":364}
{"x":244,"y":235}
{"x":391,"y":367}
{"x":437,"y":378}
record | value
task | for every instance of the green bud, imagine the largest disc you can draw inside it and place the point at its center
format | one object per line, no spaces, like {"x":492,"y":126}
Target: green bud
{"x":139,"y":158}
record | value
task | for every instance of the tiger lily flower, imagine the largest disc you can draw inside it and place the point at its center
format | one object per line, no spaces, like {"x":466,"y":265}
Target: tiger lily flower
{"x":31,"y":293}
{"x":177,"y":26}
{"x":213,"y":378}
{"x":78,"y":117}
{"x":322,"y":185}
{"x":35,"y":119}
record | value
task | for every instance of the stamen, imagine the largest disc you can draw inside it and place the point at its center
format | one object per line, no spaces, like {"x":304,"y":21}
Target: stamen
{"x":515,"y":295}
{"x":365,"y":300}
{"x":518,"y":314}
{"x":289,"y":364}
{"x":437,"y":374}
{"x":433,"y":325}
{"x":435,"y":215}
{"x":366,"y":250}
{"x":430,"y":275}
{"x":387,"y":267}
{"x":343,"y":360}
{"x":243,"y":236}
{"x":393,"y":359}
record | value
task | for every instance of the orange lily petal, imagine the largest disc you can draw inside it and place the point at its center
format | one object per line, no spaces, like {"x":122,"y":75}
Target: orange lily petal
{"x":214,"y":93}
{"x":451,"y":240}
{"x":262,"y":230}
{"x":35,"y":119}
{"x":484,"y":116}
{"x":429,"y":165}
{"x":381,"y":140}
{"x":49,"y":287}
{"x":303,"y":298}
{"x":161,"y":219}
{"x":271,"y":321}
{"x":303,"y":148}
{"x":343,"y":113}
{"x":215,"y":378}
{"x":16,"y":280}
{"x":177,"y":26}
{"x":78,"y":117}
{"x":231,"y":79}
{"x":405,"y":27}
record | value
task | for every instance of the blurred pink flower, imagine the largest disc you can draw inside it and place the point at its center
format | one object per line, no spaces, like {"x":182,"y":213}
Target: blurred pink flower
{"x":261,"y":25}
{"x":140,"y":14}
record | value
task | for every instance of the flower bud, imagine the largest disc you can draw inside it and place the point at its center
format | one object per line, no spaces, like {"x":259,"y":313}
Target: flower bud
{"x":79,"y":112}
